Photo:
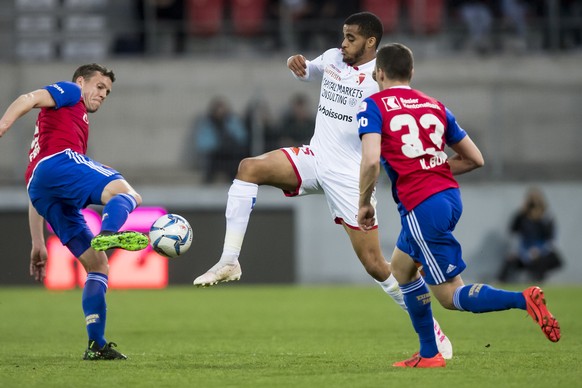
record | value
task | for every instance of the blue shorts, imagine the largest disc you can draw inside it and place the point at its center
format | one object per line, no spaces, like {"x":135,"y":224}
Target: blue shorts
{"x":64,"y":184}
{"x":427,"y":236}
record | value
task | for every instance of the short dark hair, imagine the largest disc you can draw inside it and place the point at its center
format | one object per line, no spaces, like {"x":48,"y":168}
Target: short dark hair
{"x":87,"y":71}
{"x":396,"y":60}
{"x":369,"y":25}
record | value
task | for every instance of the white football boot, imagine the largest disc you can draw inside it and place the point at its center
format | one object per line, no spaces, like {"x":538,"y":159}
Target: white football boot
{"x":219,"y":273}
{"x":443,"y":343}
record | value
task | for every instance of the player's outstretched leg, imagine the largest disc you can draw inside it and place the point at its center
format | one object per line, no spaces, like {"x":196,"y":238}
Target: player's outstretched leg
{"x":219,"y":273}
{"x":422,"y":362}
{"x":242,"y":197}
{"x":128,"y":240}
{"x":536,"y":308}
{"x":94,"y":352}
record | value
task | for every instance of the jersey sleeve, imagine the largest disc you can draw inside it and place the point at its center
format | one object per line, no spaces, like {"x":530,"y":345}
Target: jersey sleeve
{"x":369,"y":118}
{"x":454,"y":132}
{"x":315,"y":67}
{"x":64,"y":93}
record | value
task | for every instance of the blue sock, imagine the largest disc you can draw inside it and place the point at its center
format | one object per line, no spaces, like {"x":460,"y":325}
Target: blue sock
{"x":116,"y":211}
{"x":482,"y":298}
{"x":417,"y":300}
{"x":94,"y":306}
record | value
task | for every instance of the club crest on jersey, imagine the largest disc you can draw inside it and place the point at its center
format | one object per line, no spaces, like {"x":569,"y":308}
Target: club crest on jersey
{"x":391,"y":103}
{"x":361,"y":78}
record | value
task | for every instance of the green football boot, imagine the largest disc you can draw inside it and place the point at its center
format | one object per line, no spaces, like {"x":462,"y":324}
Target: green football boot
{"x":128,"y":240}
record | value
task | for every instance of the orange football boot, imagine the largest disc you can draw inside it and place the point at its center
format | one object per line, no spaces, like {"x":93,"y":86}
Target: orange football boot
{"x":421,"y":362}
{"x":536,"y":308}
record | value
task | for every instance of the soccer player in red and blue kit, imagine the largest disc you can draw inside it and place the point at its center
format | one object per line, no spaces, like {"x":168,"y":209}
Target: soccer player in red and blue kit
{"x":61,"y":180}
{"x":406,"y":131}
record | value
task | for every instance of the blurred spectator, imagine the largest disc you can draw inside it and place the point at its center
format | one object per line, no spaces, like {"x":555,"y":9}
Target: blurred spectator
{"x":477,"y":17}
{"x":128,"y":22}
{"x":261,"y":126}
{"x":532,"y":232}
{"x":297,"y":123}
{"x":220,"y":141}
{"x":514,"y":13}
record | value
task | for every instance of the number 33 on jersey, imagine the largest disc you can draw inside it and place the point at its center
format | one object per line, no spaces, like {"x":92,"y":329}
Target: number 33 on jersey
{"x":415,"y":129}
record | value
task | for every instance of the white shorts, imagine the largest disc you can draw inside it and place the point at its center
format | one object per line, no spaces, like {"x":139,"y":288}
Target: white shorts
{"x":342,"y":191}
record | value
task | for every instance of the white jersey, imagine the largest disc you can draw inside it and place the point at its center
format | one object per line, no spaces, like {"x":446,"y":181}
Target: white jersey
{"x":335,"y":141}
{"x":330,"y":164}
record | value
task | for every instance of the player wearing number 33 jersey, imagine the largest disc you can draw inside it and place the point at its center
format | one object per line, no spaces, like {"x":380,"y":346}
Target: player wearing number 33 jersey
{"x":415,"y":130}
{"x":406,"y":131}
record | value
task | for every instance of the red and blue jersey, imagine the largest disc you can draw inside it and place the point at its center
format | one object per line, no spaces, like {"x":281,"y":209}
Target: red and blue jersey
{"x":415,"y":129}
{"x":66,"y":126}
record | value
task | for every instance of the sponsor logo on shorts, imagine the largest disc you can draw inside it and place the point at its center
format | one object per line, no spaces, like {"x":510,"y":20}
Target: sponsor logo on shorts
{"x":303,"y":150}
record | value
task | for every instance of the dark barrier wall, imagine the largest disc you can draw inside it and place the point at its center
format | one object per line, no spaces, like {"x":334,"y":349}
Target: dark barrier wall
{"x":267,"y":257}
{"x":15,"y":248}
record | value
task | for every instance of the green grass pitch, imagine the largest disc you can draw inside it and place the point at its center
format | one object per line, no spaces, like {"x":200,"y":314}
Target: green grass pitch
{"x":277,"y":336}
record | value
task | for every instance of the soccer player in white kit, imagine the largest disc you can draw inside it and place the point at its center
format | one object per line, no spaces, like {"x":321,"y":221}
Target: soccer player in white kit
{"x":329,"y":165}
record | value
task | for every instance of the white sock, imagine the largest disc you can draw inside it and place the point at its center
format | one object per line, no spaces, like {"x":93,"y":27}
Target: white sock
{"x":242,"y":197}
{"x":391,"y":287}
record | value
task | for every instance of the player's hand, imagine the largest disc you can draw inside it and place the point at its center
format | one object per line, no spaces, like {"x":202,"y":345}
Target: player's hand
{"x":366,"y":217}
{"x":298,"y":65}
{"x":38,"y":257}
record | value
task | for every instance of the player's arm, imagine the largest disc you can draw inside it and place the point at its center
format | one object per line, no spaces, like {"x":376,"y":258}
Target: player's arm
{"x":370,"y":131}
{"x":369,"y":171}
{"x":40,"y":98}
{"x":303,"y":69}
{"x":468,"y":157}
{"x":369,"y":166}
{"x":38,"y":253}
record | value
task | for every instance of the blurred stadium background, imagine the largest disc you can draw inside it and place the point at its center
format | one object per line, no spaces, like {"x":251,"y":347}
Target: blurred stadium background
{"x":519,"y":97}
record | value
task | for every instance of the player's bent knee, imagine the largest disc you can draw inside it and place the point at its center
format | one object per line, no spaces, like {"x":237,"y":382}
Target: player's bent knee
{"x":94,"y":261}
{"x":137,"y":197}
{"x":253,"y":170}
{"x":246,"y":166}
{"x":446,"y":301}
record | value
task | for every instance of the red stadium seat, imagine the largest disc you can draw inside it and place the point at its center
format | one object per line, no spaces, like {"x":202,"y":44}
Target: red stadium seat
{"x":426,"y":16}
{"x":387,"y":10}
{"x":205,"y":17}
{"x":248,"y":16}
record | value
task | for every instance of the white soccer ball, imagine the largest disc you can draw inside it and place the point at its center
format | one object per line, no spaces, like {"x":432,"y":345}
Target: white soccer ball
{"x":171,"y":235}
